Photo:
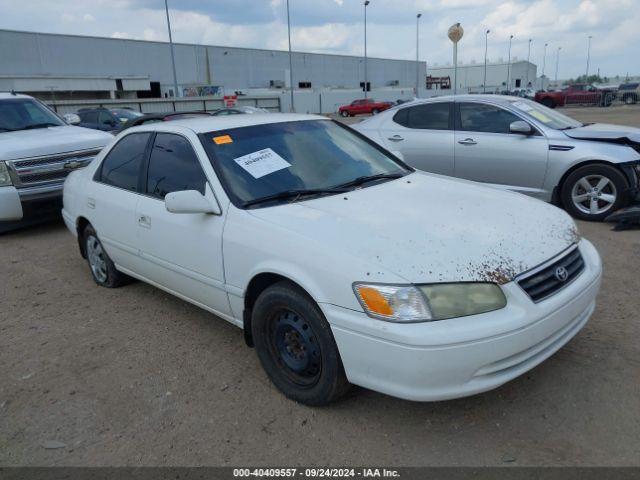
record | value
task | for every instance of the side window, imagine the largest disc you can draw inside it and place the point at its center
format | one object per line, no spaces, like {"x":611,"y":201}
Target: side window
{"x":431,"y":116}
{"x":105,"y":118}
{"x":479,"y":117}
{"x":121,"y":167}
{"x":173,"y":167}
{"x":90,"y":117}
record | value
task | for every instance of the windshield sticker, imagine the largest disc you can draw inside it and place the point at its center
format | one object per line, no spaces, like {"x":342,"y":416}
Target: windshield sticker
{"x":522,"y":106}
{"x":262,"y":162}
{"x":540,"y":116}
{"x":222,"y":139}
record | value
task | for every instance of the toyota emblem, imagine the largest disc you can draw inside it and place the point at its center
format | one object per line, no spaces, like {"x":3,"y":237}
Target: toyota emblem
{"x":562,"y":274}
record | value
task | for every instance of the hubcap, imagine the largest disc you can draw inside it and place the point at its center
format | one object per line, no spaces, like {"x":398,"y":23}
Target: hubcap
{"x":96,"y":257}
{"x":295,"y":347}
{"x":594,"y":194}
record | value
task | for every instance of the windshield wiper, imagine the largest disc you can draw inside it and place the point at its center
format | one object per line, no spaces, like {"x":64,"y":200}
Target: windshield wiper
{"x":293,"y":194}
{"x":369,"y":178}
{"x":40,"y":125}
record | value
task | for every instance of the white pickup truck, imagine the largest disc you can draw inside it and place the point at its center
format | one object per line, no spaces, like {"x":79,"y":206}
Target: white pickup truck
{"x":37,"y":151}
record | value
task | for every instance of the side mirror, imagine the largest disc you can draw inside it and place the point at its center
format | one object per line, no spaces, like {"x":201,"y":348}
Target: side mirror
{"x":521,"y":127}
{"x":189,"y":201}
{"x":398,"y":154}
{"x":71,"y":118}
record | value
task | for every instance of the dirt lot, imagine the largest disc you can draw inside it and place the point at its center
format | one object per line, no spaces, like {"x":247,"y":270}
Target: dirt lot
{"x":134,"y":376}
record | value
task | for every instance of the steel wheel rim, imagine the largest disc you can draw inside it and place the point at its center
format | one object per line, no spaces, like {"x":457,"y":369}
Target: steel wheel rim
{"x":97,"y":259}
{"x":294,"y":347}
{"x":594,"y":194}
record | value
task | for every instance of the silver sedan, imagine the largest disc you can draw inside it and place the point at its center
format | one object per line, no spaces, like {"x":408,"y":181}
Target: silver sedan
{"x":513,"y":143}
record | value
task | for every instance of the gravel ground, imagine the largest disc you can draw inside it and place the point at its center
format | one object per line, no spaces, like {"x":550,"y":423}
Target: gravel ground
{"x":134,"y":376}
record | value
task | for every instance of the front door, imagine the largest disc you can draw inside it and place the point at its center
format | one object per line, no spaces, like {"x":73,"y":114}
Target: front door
{"x":486,"y":151}
{"x":180,"y":252}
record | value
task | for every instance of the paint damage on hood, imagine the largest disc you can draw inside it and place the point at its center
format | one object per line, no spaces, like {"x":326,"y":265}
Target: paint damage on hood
{"x":427,"y":229}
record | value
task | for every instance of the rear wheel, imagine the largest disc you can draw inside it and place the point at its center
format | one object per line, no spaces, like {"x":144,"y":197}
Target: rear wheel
{"x":103,"y":270}
{"x":295,"y":346}
{"x":547,"y":102}
{"x":593,"y":192}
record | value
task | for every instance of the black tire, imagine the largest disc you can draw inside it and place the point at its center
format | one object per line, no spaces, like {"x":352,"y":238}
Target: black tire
{"x":344,"y":113}
{"x":295,"y":346}
{"x":548,"y":102}
{"x":106,"y":276}
{"x":375,"y":111}
{"x":618,"y":186}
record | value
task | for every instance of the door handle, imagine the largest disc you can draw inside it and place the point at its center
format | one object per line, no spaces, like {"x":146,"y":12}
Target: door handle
{"x":468,"y":141}
{"x":396,"y":138}
{"x":144,"y":221}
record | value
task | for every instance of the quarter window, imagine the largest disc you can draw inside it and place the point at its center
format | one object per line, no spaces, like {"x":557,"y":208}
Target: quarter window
{"x":428,"y":116}
{"x":121,"y":168}
{"x":480,"y":117}
{"x":173,"y":167}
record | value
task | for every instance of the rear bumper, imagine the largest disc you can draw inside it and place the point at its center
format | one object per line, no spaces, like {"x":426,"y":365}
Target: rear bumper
{"x":464,"y":356}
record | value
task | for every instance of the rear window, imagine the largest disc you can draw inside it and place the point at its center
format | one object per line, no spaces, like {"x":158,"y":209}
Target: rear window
{"x":628,"y":86}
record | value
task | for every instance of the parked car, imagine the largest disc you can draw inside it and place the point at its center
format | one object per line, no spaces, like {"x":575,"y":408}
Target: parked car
{"x":577,"y":94}
{"x":629,"y":92}
{"x":99,"y":119}
{"x":37,"y":151}
{"x":162,"y":117}
{"x":342,"y":264}
{"x":240,"y":110}
{"x":364,"y":106}
{"x":516,"y":144}
{"x":125,"y":114}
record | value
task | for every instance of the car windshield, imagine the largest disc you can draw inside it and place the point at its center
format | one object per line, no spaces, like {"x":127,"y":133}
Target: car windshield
{"x":125,"y":114}
{"x":313,"y":156}
{"x":25,"y":114}
{"x":544,"y":115}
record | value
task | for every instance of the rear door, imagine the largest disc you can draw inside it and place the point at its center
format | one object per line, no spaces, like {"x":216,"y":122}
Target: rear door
{"x":113,"y":198}
{"x":424,"y":135}
{"x":485,"y":150}
{"x":181,"y":252}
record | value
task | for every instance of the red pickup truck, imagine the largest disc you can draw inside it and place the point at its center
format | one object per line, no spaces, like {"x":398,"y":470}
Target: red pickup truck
{"x":365,"y":105}
{"x":577,"y":94}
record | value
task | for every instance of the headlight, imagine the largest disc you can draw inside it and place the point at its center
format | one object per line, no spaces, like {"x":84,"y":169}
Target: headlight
{"x":5,"y":178}
{"x":408,"y":303}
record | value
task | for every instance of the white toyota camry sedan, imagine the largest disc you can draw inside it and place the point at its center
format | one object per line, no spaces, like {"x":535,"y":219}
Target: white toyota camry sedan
{"x":342,"y":264}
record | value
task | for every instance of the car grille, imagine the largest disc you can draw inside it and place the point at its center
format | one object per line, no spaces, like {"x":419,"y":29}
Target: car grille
{"x":48,"y":169}
{"x":550,"y":279}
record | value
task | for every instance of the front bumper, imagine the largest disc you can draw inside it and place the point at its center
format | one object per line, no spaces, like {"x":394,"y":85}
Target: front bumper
{"x":16,"y":203}
{"x":464,"y":356}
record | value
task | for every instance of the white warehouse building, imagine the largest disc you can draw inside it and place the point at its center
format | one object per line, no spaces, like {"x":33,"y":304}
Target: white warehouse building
{"x":80,"y":67}
{"x":522,"y":74}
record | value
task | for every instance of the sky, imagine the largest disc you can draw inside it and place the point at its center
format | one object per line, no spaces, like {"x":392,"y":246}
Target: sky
{"x":337,"y":26}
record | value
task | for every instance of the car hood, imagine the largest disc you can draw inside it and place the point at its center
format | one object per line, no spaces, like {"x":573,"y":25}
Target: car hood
{"x":605,"y":132}
{"x":50,"y":141}
{"x":427,"y":228}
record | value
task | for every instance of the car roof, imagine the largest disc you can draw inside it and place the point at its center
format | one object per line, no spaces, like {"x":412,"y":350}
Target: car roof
{"x":213,"y":123}
{"x":13,"y":96}
{"x":491,"y":97}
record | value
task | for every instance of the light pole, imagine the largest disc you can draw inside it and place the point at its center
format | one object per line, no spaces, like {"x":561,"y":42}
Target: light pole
{"x":557,"y":62}
{"x":486,"y":43}
{"x":528,"y":58}
{"x":509,"y":64}
{"x":417,"y":52}
{"x":544,"y":64}
{"x":455,"y":34}
{"x":588,"y":58}
{"x":292,"y":109}
{"x":365,"y":47}
{"x":173,"y":58}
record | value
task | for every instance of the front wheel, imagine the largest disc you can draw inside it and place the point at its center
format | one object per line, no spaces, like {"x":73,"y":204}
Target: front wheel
{"x":593,"y":192}
{"x":375,"y":111}
{"x":103,"y":270}
{"x":344,"y":113}
{"x":295,"y":346}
